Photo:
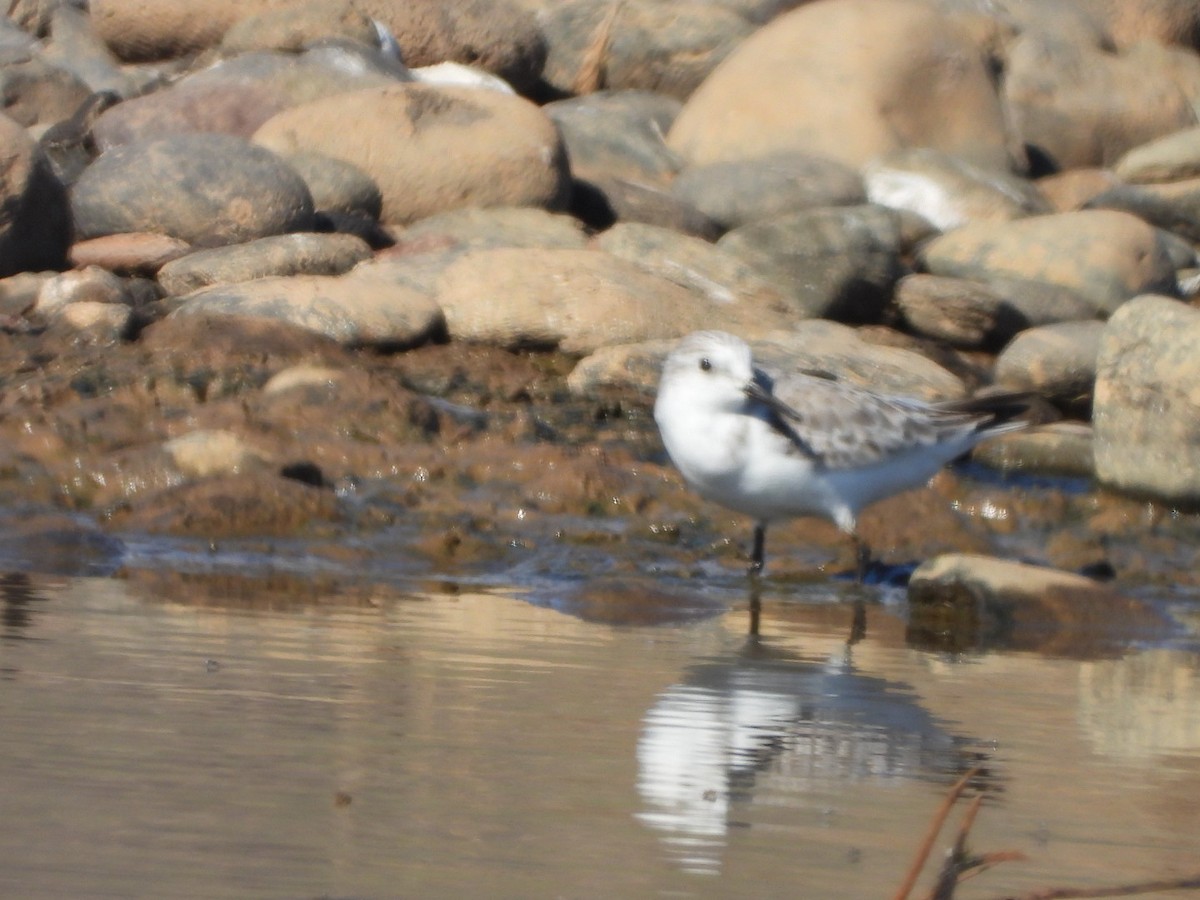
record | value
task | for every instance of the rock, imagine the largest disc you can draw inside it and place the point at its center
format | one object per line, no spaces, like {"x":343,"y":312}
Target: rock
{"x":168,"y":29}
{"x":337,"y":186}
{"x":743,"y":191}
{"x":130,"y":253}
{"x":360,"y":308}
{"x":960,"y":601}
{"x":1146,"y":408}
{"x":94,"y":322}
{"x":18,"y":293}
{"x":204,"y":453}
{"x":849,"y":81}
{"x":74,"y":46}
{"x":692,"y":263}
{"x":811,"y":345}
{"x":603,"y":201}
{"x":234,"y":96}
{"x":1057,"y":361}
{"x":1106,"y":257}
{"x":1174,"y":157}
{"x":618,"y":134}
{"x":836,"y":263}
{"x":432,"y":149}
{"x":1040,"y":302}
{"x":1173,"y":206}
{"x":501,"y":226}
{"x":292,"y":27}
{"x":1078,"y":106}
{"x":947,"y":191}
{"x":962,"y":313}
{"x":32,"y":92}
{"x":1134,"y":21}
{"x":35,"y":227}
{"x":1061,"y":449}
{"x":206,"y":189}
{"x":643,"y":45}
{"x":231,"y":506}
{"x":495,"y":35}
{"x":286,"y":254}
{"x":1071,"y":190}
{"x":302,"y":376}
{"x":576,"y":301}
{"x":92,"y":284}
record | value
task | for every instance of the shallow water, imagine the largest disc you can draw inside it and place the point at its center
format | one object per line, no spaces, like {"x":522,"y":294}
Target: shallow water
{"x":215,"y":735}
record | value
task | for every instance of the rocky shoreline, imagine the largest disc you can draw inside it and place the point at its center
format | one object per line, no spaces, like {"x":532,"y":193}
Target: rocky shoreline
{"x":319,"y":269}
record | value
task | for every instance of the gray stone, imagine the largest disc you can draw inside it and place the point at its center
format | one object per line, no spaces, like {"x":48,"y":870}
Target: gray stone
{"x":360,"y":308}
{"x":285,"y":254}
{"x":1056,"y":361}
{"x":337,"y":186}
{"x":1058,"y":449}
{"x":743,"y":191}
{"x":1104,"y":256}
{"x":691,"y":263}
{"x":837,"y":263}
{"x":1173,"y":157}
{"x":1146,"y":409}
{"x":663,"y":47}
{"x":618,"y":134}
{"x":207,"y":189}
{"x":962,"y":313}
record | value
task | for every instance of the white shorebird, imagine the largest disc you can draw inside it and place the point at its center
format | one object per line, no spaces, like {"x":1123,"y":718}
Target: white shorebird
{"x":805,"y":445}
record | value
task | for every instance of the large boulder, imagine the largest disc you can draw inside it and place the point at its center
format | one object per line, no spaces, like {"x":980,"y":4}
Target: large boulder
{"x":1075,"y":105}
{"x":849,"y":80}
{"x":1146,"y":407}
{"x":206,"y":189}
{"x":431,"y":149}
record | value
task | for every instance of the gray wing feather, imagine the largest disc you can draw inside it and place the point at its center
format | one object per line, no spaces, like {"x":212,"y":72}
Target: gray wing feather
{"x":843,"y":427}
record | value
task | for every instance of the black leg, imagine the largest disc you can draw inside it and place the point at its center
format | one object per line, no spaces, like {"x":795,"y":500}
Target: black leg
{"x":755,"y":607}
{"x":862,"y":559}
{"x":760,"y":541}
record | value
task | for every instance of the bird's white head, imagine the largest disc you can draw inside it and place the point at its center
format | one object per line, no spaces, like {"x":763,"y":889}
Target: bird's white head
{"x":707,"y":370}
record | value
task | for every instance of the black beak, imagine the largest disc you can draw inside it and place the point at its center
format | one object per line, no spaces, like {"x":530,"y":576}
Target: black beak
{"x":761,"y":393}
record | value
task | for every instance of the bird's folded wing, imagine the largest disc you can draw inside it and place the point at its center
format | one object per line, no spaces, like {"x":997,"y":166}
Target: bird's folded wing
{"x":842,"y":427}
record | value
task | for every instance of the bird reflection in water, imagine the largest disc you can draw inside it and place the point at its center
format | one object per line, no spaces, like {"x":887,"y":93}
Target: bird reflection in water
{"x":766,"y":722}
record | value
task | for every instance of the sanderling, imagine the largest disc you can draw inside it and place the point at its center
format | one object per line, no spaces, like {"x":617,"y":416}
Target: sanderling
{"x":801,"y":444}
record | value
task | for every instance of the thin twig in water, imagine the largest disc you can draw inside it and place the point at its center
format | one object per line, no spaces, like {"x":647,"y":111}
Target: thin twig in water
{"x":931,"y":833}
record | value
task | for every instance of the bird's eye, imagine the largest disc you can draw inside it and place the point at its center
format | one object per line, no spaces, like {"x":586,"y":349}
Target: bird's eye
{"x":705,"y":365}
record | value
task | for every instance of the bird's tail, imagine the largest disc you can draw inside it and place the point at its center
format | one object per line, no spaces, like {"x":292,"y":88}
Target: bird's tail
{"x":997,"y":412}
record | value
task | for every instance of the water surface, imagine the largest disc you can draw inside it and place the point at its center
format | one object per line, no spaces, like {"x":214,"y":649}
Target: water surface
{"x":213,"y":735}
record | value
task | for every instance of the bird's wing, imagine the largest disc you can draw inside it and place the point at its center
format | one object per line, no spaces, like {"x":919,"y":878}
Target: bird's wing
{"x":843,"y":427}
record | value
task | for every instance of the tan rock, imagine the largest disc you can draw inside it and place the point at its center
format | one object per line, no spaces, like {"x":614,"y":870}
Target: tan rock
{"x":432,"y":149}
{"x":849,"y":80}
{"x":577,"y":301}
{"x":1104,"y":256}
{"x":1082,"y":106}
